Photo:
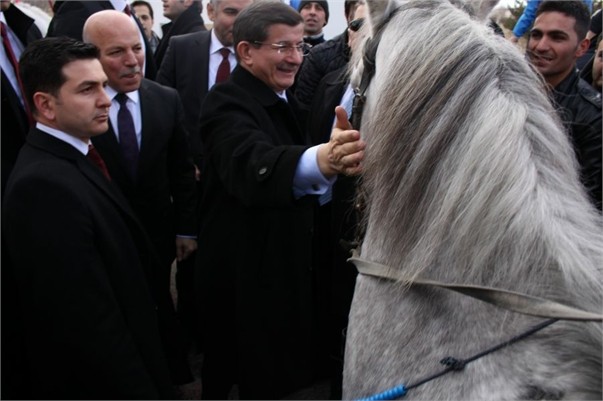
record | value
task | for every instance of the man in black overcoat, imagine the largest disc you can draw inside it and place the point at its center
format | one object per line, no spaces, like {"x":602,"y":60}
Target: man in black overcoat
{"x":261,"y":179}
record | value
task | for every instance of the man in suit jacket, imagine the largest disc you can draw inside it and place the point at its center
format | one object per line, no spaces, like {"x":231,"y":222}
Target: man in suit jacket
{"x":261,"y":179}
{"x":80,"y":266}
{"x":159,"y":182}
{"x":185,"y":16}
{"x":69,"y":19}
{"x":191,"y":65}
{"x":15,"y":122}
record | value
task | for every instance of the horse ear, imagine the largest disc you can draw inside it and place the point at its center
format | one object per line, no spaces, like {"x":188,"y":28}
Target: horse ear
{"x":483,"y":8}
{"x":379,"y":9}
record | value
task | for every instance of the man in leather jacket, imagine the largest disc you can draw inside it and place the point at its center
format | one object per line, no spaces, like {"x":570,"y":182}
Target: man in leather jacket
{"x":556,"y":41}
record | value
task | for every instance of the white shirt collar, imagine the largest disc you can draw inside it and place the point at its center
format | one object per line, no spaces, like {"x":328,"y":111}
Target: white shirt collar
{"x":77,"y":143}
{"x":133,"y":96}
{"x":216,"y":45}
{"x":282,"y":95}
{"x":119,"y":5}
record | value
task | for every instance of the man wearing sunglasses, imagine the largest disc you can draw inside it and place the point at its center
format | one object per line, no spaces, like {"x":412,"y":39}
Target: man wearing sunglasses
{"x":261,"y":179}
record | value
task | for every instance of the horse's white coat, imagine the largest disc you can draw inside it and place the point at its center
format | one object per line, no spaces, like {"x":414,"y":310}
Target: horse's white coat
{"x":469,"y":178}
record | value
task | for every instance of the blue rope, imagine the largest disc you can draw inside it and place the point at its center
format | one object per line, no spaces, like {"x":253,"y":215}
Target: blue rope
{"x":391,"y":394}
{"x":454,"y":364}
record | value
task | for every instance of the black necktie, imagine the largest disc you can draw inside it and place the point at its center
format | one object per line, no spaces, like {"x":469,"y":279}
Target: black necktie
{"x":224,"y":68}
{"x":127,"y":136}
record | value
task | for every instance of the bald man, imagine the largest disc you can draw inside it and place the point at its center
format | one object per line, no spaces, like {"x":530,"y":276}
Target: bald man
{"x":146,"y":152}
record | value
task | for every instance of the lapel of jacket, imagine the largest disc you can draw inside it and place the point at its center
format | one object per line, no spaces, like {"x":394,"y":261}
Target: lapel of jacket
{"x":202,"y":68}
{"x":108,"y":147}
{"x":149,"y":115}
{"x":50,"y":144}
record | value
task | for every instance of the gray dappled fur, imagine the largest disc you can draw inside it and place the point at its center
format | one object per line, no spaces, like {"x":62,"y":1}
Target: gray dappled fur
{"x":469,"y":178}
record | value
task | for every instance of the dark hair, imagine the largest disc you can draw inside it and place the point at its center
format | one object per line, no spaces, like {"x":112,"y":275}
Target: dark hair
{"x":253,"y":22}
{"x":41,"y":64}
{"x":137,"y":3}
{"x":575,"y":9}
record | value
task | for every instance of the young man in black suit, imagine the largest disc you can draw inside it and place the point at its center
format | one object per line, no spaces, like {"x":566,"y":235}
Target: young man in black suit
{"x":147,"y":154}
{"x":80,"y":267}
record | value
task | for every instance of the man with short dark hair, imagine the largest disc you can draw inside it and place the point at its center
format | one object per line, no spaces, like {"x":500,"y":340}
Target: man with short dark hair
{"x":78,"y":269}
{"x":316,"y":17}
{"x":324,"y":58}
{"x":144,"y":12}
{"x":185,"y":17}
{"x":261,"y":179}
{"x":556,"y":41}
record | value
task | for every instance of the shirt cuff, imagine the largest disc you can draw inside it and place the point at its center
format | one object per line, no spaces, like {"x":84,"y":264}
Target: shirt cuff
{"x":308,"y":179}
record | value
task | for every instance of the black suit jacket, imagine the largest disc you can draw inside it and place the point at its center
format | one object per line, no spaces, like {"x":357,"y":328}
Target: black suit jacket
{"x":82,"y":270}
{"x":189,"y":21}
{"x":71,"y":16}
{"x":14,"y":125}
{"x":185,"y":68}
{"x":163,"y":195}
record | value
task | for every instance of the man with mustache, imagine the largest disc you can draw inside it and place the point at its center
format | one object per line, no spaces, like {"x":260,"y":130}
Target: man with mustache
{"x":261,"y":180}
{"x":556,"y":41}
{"x":75,"y":258}
{"x":146,"y":152}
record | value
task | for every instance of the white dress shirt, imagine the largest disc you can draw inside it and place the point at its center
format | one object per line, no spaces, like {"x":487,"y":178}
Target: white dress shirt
{"x":215,"y":58}
{"x":133,"y":105}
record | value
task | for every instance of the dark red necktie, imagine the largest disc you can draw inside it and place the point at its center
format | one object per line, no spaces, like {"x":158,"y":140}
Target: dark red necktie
{"x":96,"y":158}
{"x":15,"y":63}
{"x":127,"y":10}
{"x":224,"y":68}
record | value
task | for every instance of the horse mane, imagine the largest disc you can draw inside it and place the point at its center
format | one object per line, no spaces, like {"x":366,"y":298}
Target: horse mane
{"x":469,"y":174}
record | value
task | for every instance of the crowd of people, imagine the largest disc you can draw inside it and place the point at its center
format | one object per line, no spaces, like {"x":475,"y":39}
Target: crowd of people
{"x":227,"y":150}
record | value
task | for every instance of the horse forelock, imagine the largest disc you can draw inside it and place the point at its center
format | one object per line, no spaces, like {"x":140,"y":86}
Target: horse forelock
{"x":469,"y":174}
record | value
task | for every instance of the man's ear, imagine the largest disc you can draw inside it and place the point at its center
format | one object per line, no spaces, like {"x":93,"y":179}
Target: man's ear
{"x":44,"y":104}
{"x":210,"y":11}
{"x":244,"y":52}
{"x":582,"y":47}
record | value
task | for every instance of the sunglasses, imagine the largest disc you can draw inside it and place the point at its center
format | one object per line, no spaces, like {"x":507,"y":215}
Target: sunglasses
{"x":355,"y":25}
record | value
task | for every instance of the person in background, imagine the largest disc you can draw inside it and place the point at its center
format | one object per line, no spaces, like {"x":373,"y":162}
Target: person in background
{"x":192,"y":65}
{"x":261,"y":179}
{"x":316,"y":17}
{"x":323,"y":59}
{"x":18,"y":30}
{"x":597,"y":70}
{"x":557,"y":40}
{"x":70,"y":16}
{"x":526,"y":19}
{"x":144,"y":13}
{"x":78,"y":265}
{"x":185,"y":17}
{"x":146,"y":152}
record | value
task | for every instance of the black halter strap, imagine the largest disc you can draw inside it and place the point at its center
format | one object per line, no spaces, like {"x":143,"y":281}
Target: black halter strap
{"x":368,"y":60}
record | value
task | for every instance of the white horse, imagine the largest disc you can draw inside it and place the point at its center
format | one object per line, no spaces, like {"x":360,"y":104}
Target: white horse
{"x":469,"y":179}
